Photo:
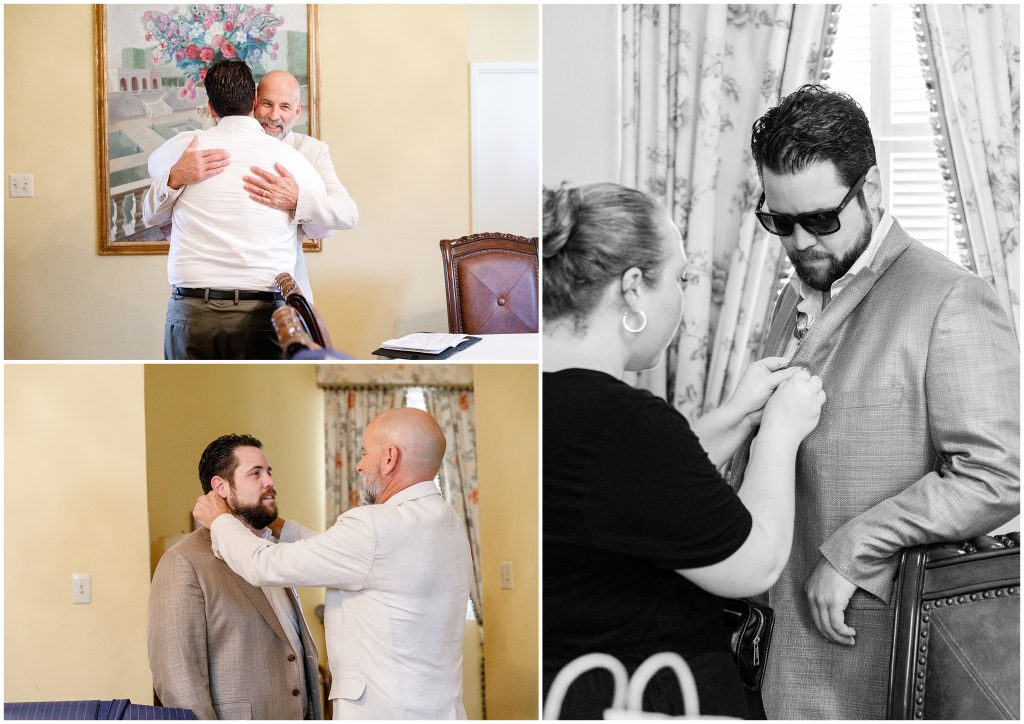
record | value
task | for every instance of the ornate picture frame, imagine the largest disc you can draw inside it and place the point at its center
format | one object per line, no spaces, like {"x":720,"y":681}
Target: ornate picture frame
{"x":150,"y":60}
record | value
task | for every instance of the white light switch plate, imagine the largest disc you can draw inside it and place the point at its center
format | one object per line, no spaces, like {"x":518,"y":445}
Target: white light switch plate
{"x":505,"y":571}
{"x":81,"y":588}
{"x":22,"y":185}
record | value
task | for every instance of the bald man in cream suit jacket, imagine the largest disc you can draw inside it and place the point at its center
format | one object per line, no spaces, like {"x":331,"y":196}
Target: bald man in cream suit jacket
{"x":397,"y":575}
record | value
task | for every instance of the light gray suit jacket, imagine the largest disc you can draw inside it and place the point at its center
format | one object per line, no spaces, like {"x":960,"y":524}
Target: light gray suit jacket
{"x":216,"y":645}
{"x":918,"y":442}
{"x":397,"y":577}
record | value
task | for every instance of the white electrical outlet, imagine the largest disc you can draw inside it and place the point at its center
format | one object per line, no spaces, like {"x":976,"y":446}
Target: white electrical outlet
{"x":22,"y":185}
{"x":81,"y":588}
{"x":505,"y":571}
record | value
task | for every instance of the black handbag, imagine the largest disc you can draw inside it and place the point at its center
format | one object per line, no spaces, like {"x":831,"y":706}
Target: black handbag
{"x":749,"y":626}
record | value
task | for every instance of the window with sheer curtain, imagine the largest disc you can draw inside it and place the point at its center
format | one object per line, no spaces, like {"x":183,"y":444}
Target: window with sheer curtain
{"x":875,"y":60}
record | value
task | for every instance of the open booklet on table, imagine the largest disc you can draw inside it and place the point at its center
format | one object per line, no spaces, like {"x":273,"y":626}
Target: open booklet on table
{"x":425,"y":345}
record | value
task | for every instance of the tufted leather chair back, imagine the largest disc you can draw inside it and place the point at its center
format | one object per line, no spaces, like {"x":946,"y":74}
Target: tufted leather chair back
{"x":956,"y":641}
{"x":491,"y":284}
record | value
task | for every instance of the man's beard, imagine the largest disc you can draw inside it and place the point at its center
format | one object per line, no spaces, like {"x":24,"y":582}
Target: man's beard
{"x":258,"y":515}
{"x":823,"y":279}
{"x":370,"y":487}
{"x":282,"y":129}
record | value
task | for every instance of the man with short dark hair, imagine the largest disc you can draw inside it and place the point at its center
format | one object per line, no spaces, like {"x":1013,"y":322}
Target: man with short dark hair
{"x":227,"y":249}
{"x":919,"y":439}
{"x":278,"y":105}
{"x":217,"y":645}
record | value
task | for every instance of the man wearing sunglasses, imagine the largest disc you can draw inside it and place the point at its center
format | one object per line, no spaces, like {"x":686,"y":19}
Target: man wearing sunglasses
{"x":918,"y":441}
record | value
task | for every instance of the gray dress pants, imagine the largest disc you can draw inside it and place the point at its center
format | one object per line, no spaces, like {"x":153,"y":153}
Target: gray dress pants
{"x":220,"y":329}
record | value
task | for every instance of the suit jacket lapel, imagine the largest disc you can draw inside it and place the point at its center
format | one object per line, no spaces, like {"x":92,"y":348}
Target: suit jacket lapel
{"x":256,"y":596}
{"x":780,"y":330}
{"x":813,"y":347}
{"x":815,"y":344}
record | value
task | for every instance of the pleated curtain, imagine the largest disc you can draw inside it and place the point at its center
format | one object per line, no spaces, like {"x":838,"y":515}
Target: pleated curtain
{"x":347,"y":412}
{"x":694,"y":79}
{"x":971,"y":56}
{"x":453,"y":410}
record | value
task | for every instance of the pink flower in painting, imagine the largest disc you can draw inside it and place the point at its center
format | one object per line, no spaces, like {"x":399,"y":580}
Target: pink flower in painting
{"x":206,"y":55}
{"x":202,"y":73}
{"x":149,"y":36}
{"x":229,"y":51}
{"x":179,"y":54}
{"x":192,"y":52}
{"x":207,"y":22}
{"x":229,"y":26}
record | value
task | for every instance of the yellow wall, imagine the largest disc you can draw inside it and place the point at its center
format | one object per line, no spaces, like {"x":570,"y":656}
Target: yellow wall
{"x":507,"y":460}
{"x":75,"y":502}
{"x":188,"y":406}
{"x":395,"y":111}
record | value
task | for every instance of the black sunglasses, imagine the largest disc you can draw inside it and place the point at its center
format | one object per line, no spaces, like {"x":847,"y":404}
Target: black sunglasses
{"x":818,"y":223}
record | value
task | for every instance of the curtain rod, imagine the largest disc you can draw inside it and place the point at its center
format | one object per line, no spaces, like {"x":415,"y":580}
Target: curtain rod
{"x":394,"y":385}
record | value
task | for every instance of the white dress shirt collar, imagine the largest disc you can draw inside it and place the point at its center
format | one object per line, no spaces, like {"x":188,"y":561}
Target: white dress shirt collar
{"x":239,"y":124}
{"x":419,"y":490}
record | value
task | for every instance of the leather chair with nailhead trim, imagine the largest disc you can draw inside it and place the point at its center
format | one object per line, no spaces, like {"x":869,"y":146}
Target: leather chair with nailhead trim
{"x":956,"y":640}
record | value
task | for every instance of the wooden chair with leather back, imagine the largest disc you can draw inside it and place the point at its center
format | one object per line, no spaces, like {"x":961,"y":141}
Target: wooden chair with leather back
{"x":491,"y":284}
{"x":956,"y":639}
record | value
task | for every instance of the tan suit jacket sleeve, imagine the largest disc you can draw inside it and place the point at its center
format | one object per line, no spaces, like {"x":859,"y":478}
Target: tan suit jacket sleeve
{"x":972,"y":390}
{"x":177,"y":637}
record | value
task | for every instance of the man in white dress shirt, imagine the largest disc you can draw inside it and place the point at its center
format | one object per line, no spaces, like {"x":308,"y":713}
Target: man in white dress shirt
{"x":226,"y":249}
{"x":278,"y":105}
{"x":397,"y":571}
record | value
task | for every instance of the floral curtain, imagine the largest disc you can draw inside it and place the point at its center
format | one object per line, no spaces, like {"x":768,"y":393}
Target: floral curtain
{"x":453,"y":410}
{"x":347,"y":412}
{"x":695,"y":77}
{"x":972,"y":70}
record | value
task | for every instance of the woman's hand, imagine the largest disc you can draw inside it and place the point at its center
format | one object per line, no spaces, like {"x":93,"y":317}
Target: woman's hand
{"x":795,"y":406}
{"x":757,"y":384}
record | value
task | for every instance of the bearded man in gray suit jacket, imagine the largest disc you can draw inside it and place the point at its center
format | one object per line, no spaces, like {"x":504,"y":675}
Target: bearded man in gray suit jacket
{"x":217,"y":645}
{"x":918,"y":441}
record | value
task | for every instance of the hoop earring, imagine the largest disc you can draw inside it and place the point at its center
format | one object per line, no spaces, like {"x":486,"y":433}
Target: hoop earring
{"x":637,"y":330}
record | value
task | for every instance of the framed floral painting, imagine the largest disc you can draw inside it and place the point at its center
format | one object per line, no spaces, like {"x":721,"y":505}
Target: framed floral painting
{"x":150,"y":65}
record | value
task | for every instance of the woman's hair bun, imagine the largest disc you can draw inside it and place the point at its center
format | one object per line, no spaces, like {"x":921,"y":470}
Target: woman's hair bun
{"x":559,"y":217}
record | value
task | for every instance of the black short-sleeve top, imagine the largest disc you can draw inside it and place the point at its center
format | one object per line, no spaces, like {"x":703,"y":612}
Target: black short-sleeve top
{"x":629,"y":497}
